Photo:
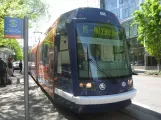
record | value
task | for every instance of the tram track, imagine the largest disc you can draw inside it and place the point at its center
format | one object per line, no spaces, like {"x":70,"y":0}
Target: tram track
{"x":135,"y":117}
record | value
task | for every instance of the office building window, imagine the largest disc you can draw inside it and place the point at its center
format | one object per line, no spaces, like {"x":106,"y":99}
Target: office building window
{"x":111,"y":5}
{"x":135,"y":29}
{"x":120,"y":1}
{"x":116,"y":12}
{"x":136,"y":53}
{"x":125,"y":13}
{"x":126,"y":26}
{"x":131,"y":9}
{"x":132,"y":1}
{"x":125,"y":2}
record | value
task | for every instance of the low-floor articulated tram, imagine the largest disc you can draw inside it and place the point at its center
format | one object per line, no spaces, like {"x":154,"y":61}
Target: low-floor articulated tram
{"x":83,"y":62}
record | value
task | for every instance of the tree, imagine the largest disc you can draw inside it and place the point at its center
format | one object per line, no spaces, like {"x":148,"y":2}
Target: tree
{"x":149,"y":31}
{"x":14,"y":45}
{"x":33,"y":9}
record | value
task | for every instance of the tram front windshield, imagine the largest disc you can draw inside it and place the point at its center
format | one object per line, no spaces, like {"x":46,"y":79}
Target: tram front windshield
{"x":102,"y":51}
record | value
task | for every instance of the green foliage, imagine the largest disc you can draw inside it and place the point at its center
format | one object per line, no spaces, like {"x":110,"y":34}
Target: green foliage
{"x":48,"y":41}
{"x":149,"y":20}
{"x":14,"y":45}
{"x":152,"y":72}
{"x":33,"y":9}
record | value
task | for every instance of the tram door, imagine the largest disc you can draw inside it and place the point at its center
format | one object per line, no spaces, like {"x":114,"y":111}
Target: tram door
{"x":63,"y":66}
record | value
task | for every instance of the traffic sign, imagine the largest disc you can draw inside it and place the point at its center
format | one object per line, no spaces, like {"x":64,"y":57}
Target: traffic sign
{"x":13,"y":27}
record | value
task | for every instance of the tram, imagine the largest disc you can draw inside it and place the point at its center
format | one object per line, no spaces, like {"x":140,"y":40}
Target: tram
{"x":83,"y":62}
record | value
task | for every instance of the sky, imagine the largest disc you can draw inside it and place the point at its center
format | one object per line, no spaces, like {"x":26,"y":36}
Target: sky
{"x":56,"y":8}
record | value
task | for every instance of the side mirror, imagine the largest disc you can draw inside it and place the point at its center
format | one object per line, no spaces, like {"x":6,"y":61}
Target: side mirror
{"x":57,"y":40}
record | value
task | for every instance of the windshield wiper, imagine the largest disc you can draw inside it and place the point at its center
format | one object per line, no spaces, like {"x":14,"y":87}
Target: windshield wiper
{"x":98,"y":66}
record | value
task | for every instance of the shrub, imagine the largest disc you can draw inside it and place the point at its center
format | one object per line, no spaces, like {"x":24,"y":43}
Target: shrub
{"x":155,"y":72}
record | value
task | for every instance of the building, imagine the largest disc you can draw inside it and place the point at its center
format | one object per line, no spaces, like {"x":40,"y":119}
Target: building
{"x":123,"y":9}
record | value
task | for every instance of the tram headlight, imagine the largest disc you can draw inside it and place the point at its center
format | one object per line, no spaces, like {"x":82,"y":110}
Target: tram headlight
{"x":81,"y":85}
{"x":89,"y":85}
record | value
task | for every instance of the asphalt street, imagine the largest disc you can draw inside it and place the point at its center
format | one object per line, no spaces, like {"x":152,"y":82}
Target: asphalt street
{"x":148,"y":92}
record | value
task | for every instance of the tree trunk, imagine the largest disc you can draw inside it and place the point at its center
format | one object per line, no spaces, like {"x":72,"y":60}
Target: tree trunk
{"x":158,"y":67}
{"x":158,"y":64}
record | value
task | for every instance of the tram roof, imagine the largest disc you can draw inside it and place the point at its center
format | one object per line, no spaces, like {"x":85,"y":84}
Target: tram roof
{"x":80,"y":13}
{"x":86,"y":13}
{"x":96,"y":14}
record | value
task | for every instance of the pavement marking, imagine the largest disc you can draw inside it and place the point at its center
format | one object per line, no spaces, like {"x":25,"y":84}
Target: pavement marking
{"x":140,"y":104}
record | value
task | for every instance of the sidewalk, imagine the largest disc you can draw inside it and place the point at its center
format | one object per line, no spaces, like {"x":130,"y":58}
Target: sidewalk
{"x":12,"y":102}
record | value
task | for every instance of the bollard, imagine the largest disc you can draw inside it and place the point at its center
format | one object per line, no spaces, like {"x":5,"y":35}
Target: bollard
{"x":18,"y":80}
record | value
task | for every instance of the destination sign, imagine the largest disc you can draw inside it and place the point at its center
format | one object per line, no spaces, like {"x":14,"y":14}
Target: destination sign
{"x":102,"y":32}
{"x":97,"y":30}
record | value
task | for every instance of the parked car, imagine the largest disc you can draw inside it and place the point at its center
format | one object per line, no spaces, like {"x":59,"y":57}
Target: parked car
{"x":16,"y":65}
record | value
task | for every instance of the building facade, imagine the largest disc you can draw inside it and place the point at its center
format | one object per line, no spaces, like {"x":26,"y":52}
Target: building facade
{"x":123,"y":9}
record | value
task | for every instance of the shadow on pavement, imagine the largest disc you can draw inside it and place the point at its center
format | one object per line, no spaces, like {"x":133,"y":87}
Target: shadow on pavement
{"x":12,"y":102}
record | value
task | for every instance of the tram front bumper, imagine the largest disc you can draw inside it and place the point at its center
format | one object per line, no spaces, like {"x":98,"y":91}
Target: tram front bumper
{"x":94,"y":100}
{"x":105,"y":99}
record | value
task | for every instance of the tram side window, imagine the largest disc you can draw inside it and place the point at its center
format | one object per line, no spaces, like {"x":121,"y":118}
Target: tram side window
{"x":43,"y":54}
{"x":33,"y":59}
{"x":63,"y":67}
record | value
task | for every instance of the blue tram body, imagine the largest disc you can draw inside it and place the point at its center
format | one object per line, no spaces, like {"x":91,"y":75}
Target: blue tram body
{"x":86,"y":64}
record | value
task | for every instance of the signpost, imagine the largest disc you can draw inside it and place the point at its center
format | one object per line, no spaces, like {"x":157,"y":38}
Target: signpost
{"x":13,"y":27}
{"x":18,"y":28}
{"x":26,"y":82}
